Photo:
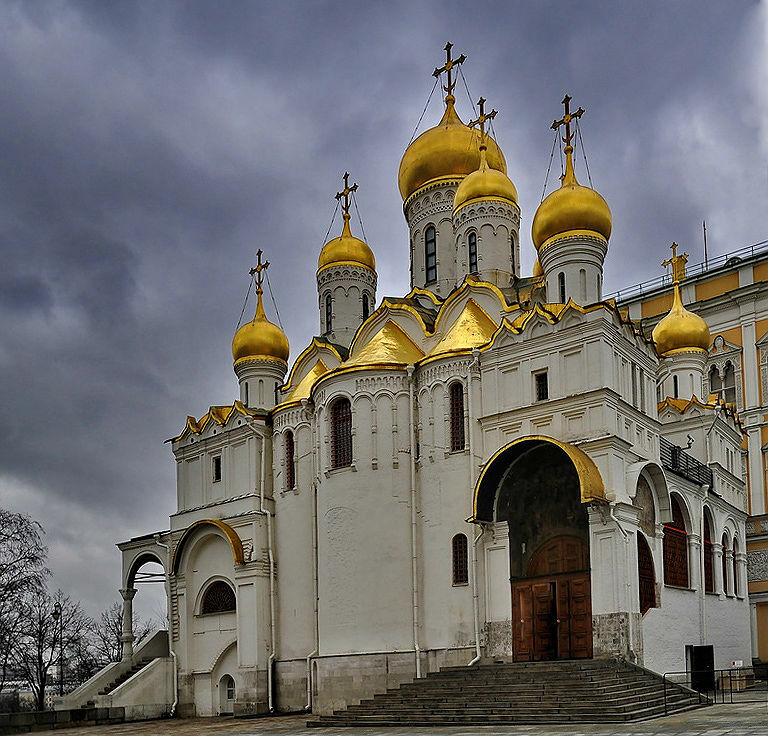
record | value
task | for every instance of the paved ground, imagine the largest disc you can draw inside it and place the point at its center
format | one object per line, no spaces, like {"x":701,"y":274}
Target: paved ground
{"x":748,"y":719}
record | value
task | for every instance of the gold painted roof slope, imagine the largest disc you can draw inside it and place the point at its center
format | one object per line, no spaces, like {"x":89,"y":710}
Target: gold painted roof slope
{"x":390,"y":346}
{"x":471,"y":329}
{"x":346,"y":249}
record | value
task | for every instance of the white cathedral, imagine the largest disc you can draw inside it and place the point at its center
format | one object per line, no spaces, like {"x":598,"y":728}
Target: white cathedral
{"x":492,"y":467}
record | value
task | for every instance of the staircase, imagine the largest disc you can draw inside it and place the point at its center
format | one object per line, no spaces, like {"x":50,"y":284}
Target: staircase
{"x":580,"y":691}
{"x":140,"y":665}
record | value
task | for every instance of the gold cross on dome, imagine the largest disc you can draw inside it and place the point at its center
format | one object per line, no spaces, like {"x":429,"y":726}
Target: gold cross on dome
{"x":344,"y":193}
{"x":482,"y":117}
{"x":566,"y":120}
{"x":678,"y":264}
{"x":448,"y":67}
{"x":257,"y":271}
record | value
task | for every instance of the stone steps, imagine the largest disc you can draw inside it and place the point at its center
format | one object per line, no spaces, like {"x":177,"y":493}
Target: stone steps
{"x":583,"y":691}
{"x":140,"y":665}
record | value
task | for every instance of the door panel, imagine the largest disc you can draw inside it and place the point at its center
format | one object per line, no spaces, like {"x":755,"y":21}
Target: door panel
{"x":544,"y":621}
{"x":522,"y":617}
{"x":580,"y":600}
{"x":563,"y":619}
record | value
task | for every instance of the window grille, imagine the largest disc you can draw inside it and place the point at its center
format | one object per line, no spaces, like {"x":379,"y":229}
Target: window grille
{"x":219,"y":598}
{"x":676,"y":548}
{"x":290,"y":466}
{"x":459,"y":548}
{"x":457,"y":416}
{"x":542,"y":386}
{"x":472,"y":253}
{"x":646,"y":575}
{"x":341,"y":433}
{"x":328,"y":313}
{"x":430,"y":254}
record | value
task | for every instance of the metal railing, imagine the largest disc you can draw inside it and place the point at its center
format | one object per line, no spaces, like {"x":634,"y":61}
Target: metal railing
{"x":692,"y":272}
{"x":678,"y":461}
{"x":717,"y":687}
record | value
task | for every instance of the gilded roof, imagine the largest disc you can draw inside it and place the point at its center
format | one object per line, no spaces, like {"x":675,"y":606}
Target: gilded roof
{"x":218,"y":414}
{"x":303,"y":388}
{"x":390,"y":345}
{"x":473,"y":328}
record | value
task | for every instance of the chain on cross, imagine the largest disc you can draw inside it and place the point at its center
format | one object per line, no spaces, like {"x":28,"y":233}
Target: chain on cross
{"x":482,"y":118}
{"x":448,"y":67}
{"x":257,"y":271}
{"x":678,"y":264}
{"x":566,"y":120}
{"x":344,"y":193}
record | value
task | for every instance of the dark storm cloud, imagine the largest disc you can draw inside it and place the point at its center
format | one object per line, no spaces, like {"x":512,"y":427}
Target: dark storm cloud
{"x":148,"y":149}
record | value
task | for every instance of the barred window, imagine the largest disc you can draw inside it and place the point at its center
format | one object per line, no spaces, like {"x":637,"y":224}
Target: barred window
{"x":472,"y":253}
{"x":646,"y":574}
{"x":328,"y":313}
{"x":457,"y":416}
{"x":676,"y":548}
{"x":735,"y":566}
{"x":290,"y":462}
{"x":709,"y":572}
{"x":725,"y":564}
{"x":219,"y":598}
{"x":341,"y":433}
{"x":430,"y":254}
{"x":459,"y":548}
{"x":366,"y":307}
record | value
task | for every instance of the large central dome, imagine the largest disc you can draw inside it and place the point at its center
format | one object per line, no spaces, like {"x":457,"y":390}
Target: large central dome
{"x":448,"y":149}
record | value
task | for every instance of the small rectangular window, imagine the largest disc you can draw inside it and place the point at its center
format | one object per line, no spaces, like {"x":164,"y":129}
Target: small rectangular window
{"x":542,"y":387}
{"x":216,"y":468}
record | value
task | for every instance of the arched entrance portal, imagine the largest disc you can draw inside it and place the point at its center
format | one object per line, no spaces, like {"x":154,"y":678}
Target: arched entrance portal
{"x":539,"y":487}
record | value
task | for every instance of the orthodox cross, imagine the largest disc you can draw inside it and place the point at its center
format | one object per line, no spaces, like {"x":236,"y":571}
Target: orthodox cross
{"x":566,"y":120}
{"x":482,"y":118}
{"x":678,"y":264}
{"x":257,"y":272}
{"x":448,"y":66}
{"x":344,"y":194}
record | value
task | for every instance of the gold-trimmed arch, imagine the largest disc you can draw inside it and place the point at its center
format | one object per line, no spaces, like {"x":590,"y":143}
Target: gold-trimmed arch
{"x":591,"y":485}
{"x":231,"y":535}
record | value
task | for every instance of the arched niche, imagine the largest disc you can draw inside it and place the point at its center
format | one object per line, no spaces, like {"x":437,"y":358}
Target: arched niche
{"x":218,"y":527}
{"x":654,"y":476}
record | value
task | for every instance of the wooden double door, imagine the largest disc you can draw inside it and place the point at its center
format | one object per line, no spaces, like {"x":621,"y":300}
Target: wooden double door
{"x":552,"y":609}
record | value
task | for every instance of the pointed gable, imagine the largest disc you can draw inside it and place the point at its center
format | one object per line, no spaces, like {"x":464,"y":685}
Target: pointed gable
{"x":389,"y":346}
{"x":303,"y":388}
{"x":472,"y":328}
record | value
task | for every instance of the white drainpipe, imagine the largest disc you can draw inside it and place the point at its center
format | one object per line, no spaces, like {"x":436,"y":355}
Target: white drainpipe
{"x":475,"y":606}
{"x":414,"y":560}
{"x":316,"y":633}
{"x":475,"y":592}
{"x":170,"y":624}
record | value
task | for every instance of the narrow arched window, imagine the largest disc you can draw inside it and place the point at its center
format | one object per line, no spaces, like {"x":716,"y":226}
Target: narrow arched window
{"x":341,"y":433}
{"x":724,"y":561}
{"x":729,"y":384}
{"x":366,"y":307}
{"x":583,"y":285}
{"x":430,"y":254}
{"x":459,"y":549}
{"x":328,"y":313}
{"x":646,"y":575}
{"x":473,"y":253}
{"x":735,"y":566}
{"x":219,"y":598}
{"x":709,"y":572}
{"x":676,"y":548}
{"x":715,"y":383}
{"x":513,"y":254}
{"x":457,"y":416}
{"x":290,"y":462}
{"x":675,"y":387}
{"x":561,"y":286}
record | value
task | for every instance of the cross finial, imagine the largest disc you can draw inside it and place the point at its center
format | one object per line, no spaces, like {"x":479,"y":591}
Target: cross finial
{"x":344,"y":193}
{"x":566,"y":120}
{"x":257,"y":271}
{"x":482,"y":118}
{"x":448,"y":67}
{"x":678,"y":264}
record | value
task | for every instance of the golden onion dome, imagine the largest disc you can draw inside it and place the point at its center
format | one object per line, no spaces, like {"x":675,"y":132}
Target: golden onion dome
{"x":571,"y":207}
{"x":484,"y":183}
{"x":346,"y":249}
{"x":680,"y":330}
{"x":448,"y":149}
{"x":260,"y":339}
{"x":538,"y":271}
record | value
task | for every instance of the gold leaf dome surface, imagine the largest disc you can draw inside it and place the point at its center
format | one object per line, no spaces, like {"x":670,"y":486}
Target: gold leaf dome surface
{"x":346,"y":248}
{"x":448,"y":149}
{"x":484,"y":183}
{"x":259,"y":338}
{"x":680,"y":330}
{"x":571,"y":207}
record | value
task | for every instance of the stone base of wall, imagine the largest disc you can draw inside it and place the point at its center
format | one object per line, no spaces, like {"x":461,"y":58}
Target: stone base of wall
{"x":618,"y":635}
{"x":50,"y":719}
{"x":498,"y":639}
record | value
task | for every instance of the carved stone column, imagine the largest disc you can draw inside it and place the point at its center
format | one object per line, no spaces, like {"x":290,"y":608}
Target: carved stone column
{"x":126,"y":638}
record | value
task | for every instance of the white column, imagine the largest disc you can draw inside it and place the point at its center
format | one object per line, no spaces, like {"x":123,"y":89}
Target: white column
{"x":717,"y":567}
{"x":729,"y":570}
{"x":751,"y":367}
{"x":126,"y":638}
{"x":756,"y":475}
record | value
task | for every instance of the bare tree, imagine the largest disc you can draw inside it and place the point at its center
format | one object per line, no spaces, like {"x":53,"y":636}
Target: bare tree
{"x":22,"y":576}
{"x":106,"y":633}
{"x":45,"y":639}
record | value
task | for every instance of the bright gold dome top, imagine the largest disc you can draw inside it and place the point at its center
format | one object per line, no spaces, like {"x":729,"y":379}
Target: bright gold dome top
{"x":484,"y":183}
{"x":680,"y":330}
{"x":571,"y":207}
{"x":346,"y":249}
{"x":259,"y":338}
{"x":448,"y":149}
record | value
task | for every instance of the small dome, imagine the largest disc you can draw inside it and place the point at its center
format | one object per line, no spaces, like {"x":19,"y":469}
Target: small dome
{"x":484,"y":183}
{"x":346,"y":248}
{"x":571,"y":207}
{"x":680,"y":330}
{"x":259,"y":338}
{"x":448,"y":149}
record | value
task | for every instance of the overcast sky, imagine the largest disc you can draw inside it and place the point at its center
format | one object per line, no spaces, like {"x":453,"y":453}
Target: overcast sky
{"x":148,"y":149}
